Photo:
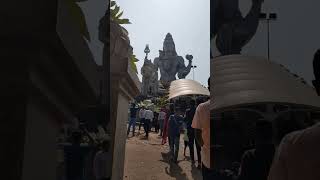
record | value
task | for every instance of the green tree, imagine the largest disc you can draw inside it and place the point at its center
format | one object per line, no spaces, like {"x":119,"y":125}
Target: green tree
{"x":116,"y":16}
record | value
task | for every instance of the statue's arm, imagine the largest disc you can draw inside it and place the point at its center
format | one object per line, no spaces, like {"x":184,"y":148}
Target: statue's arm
{"x":156,"y":63}
{"x":183,"y":70}
{"x":102,"y":29}
{"x":250,"y":23}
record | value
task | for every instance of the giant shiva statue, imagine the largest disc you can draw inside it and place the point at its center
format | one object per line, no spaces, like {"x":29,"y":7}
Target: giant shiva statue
{"x":230,"y":29}
{"x":170,"y":64}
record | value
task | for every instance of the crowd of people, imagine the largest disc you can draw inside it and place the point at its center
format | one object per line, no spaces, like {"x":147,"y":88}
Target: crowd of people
{"x":172,"y":122}
{"x":192,"y":120}
{"x":279,"y":153}
{"x":284,"y":153}
{"x":283,"y":149}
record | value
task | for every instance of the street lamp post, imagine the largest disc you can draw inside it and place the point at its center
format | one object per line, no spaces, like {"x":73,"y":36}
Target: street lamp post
{"x":268,"y":17}
{"x":193,"y":67}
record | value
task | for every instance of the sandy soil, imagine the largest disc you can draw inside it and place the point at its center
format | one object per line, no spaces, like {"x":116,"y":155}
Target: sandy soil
{"x":148,"y":160}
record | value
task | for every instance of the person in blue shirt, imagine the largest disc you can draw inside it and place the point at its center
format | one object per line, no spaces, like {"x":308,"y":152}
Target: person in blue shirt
{"x":174,"y":130}
{"x":133,"y":119}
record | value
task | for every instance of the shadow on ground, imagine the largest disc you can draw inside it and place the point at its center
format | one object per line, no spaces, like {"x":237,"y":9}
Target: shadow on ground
{"x":175,"y":171}
{"x":194,"y":172}
{"x":149,"y":160}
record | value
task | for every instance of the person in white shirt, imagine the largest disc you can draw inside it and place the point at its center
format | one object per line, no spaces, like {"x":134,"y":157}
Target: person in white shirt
{"x":201,"y":124}
{"x":101,"y":162}
{"x":148,"y":118}
{"x":142,"y":114}
{"x":161,"y":118}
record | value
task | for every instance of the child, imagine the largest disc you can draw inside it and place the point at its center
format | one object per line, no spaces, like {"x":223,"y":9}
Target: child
{"x":186,"y":141}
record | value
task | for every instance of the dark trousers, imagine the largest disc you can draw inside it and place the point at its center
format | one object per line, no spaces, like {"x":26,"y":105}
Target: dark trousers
{"x":191,"y":137}
{"x":156,"y":126}
{"x":132,"y":122}
{"x":174,"y":142}
{"x":208,"y":174}
{"x":198,"y":148}
{"x":141,"y":123}
{"x":147,"y":126}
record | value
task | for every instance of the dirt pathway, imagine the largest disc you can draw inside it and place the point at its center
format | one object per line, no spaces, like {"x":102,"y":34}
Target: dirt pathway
{"x":148,"y":160}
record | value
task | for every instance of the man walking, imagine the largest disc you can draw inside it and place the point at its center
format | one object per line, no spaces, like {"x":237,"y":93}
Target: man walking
{"x":133,"y":118}
{"x":155,"y":122}
{"x":148,"y":118}
{"x":298,"y":156}
{"x":201,"y":122}
{"x":175,"y":126}
{"x":142,"y":114}
{"x":190,"y":131}
{"x":161,"y":118}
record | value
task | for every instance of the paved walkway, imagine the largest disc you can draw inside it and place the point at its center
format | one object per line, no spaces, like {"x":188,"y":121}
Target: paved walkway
{"x":148,"y":160}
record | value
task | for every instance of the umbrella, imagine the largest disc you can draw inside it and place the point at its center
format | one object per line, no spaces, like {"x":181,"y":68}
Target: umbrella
{"x":242,"y":80}
{"x":183,"y":87}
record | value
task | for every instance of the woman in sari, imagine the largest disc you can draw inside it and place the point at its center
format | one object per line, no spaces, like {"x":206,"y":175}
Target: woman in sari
{"x":165,"y":123}
{"x":165,"y":127}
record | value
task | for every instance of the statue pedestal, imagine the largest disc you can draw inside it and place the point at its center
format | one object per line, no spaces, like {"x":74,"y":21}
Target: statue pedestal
{"x":125,"y":85}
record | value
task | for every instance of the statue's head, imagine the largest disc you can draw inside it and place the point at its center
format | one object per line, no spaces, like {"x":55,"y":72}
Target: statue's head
{"x":169,"y":46}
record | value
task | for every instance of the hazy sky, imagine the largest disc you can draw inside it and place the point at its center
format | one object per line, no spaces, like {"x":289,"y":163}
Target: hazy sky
{"x":294,"y":37}
{"x":186,"y":20}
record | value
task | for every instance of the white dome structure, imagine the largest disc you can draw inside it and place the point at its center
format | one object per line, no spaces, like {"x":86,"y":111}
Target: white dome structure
{"x":183,"y":87}
{"x":238,"y":81}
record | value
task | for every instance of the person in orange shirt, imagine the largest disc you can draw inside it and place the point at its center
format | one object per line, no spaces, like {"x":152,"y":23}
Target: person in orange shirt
{"x":201,"y":124}
{"x":298,"y":156}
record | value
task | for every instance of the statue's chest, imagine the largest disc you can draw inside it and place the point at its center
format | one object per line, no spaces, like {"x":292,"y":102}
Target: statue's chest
{"x":168,"y":64}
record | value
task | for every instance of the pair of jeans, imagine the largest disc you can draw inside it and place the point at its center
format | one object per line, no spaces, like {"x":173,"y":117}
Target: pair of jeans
{"x":174,"y":142}
{"x":132,"y":122}
{"x":147,"y":126}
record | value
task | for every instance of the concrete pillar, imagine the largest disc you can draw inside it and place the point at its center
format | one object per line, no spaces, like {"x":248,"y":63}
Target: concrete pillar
{"x":124,"y":86}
